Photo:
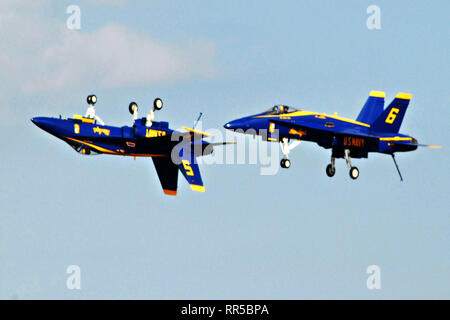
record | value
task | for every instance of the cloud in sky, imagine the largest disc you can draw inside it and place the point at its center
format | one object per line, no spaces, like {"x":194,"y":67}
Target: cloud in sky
{"x":38,"y":54}
{"x":113,"y":56}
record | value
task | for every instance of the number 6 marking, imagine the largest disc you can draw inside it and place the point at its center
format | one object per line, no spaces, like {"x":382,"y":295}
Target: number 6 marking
{"x":392,"y":115}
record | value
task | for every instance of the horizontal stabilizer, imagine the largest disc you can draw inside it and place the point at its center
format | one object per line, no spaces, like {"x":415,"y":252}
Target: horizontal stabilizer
{"x":193,"y":131}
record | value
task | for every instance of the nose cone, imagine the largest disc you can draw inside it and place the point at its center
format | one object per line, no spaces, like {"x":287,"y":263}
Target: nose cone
{"x":243,"y":123}
{"x":37,"y":121}
{"x":45,"y":123}
{"x":230,"y":125}
{"x":41,"y":122}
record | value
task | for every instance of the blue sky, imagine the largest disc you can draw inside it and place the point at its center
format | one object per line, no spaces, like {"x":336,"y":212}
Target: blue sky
{"x":294,"y":235}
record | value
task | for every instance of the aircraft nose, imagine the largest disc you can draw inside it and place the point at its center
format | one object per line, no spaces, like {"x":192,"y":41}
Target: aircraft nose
{"x":236,"y":124}
{"x":229,"y":125}
{"x":38,"y":121}
{"x":35,"y":120}
{"x":44,"y":123}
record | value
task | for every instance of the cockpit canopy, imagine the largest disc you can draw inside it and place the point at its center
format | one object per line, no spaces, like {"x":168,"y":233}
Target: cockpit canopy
{"x":279,"y":109}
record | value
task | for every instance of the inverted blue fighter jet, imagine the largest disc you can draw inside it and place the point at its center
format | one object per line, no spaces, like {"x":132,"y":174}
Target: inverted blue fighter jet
{"x":375,"y":130}
{"x":170,"y":150}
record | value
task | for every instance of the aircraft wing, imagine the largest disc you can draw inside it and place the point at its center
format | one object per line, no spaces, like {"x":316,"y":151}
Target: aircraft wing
{"x":167,"y":173}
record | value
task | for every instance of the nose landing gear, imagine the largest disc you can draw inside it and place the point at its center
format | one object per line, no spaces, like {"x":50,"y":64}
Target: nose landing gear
{"x":285,"y":163}
{"x":285,"y":149}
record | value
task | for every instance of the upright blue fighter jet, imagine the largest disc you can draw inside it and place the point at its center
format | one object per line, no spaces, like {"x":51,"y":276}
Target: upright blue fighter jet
{"x":374,"y":130}
{"x":170,"y":150}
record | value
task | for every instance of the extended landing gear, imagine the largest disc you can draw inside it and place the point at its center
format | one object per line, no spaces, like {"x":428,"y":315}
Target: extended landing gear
{"x":353,"y":171}
{"x":285,"y":163}
{"x":331,"y":169}
{"x":90,"y":113}
{"x":285,"y":149}
{"x":157,"y":105}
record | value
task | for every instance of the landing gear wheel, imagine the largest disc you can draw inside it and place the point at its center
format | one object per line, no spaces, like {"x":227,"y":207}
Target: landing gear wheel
{"x":285,"y":163}
{"x":354,"y":173}
{"x":91,"y":99}
{"x":330,"y":170}
{"x":157,"y":104}
{"x":132,"y":107}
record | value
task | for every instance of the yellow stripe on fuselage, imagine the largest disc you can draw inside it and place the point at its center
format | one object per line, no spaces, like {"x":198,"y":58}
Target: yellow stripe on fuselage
{"x":117,"y":153}
{"x":396,"y":139}
{"x":83,"y":119}
{"x":290,"y":114}
{"x":94,"y":146}
{"x":308,"y":113}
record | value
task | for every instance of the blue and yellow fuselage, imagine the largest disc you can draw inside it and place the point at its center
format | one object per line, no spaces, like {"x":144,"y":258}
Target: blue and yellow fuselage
{"x":170,"y":150}
{"x":86,"y":135}
{"x":328,"y":131}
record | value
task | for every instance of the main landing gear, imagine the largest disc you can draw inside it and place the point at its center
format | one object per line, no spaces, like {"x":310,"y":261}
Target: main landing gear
{"x":90,"y":113}
{"x":285,"y":149}
{"x":157,"y":105}
{"x":353,"y":171}
{"x":331,"y":169}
